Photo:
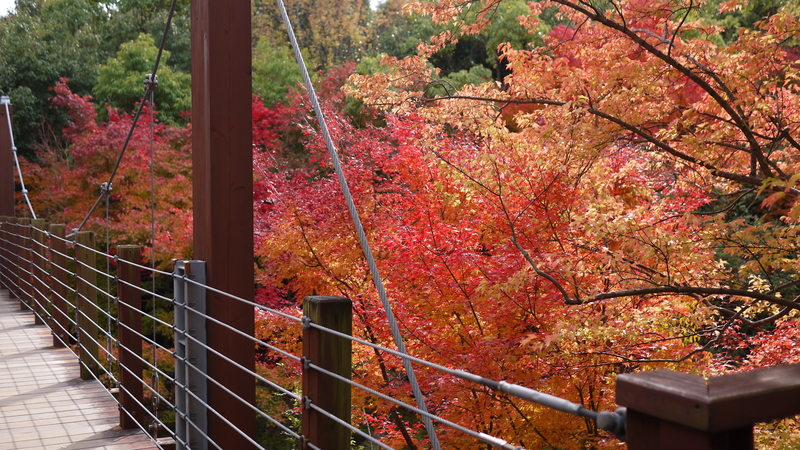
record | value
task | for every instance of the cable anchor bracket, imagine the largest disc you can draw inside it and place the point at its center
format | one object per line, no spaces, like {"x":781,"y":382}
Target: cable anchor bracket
{"x":150,"y":82}
{"x":106,"y":188}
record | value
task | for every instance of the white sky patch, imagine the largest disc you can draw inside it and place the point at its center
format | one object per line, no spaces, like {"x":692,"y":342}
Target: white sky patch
{"x":6,"y":6}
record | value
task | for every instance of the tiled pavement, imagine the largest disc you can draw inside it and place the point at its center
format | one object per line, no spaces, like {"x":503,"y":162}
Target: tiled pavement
{"x":43,"y":402}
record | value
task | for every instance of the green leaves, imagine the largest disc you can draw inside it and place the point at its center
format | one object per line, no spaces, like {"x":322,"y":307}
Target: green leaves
{"x":120,"y":82}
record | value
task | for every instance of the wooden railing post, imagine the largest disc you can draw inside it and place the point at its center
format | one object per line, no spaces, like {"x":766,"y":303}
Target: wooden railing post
{"x":14,"y":260}
{"x":25,"y":266}
{"x":129,"y":317}
{"x":7,"y":199}
{"x":87,"y":310}
{"x":40,"y":299}
{"x":334,"y":354}
{"x":673,"y":410}
{"x":58,"y":285}
{"x":4,"y":253}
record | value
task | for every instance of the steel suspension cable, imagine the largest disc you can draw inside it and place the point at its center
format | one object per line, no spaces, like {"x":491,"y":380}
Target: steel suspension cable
{"x":137,"y":115}
{"x":373,"y":267}
{"x":6,"y":102}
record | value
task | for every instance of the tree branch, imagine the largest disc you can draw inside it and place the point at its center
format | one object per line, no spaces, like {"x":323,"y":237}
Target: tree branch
{"x":743,"y":179}
{"x":726,"y":105}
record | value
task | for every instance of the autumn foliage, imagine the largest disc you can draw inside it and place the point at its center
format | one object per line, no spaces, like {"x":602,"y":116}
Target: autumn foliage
{"x":640,"y":213}
{"x":65,"y":182}
{"x":624,"y":200}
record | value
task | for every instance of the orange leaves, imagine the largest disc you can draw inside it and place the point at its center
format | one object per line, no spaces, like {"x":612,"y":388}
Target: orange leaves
{"x":65,"y":182}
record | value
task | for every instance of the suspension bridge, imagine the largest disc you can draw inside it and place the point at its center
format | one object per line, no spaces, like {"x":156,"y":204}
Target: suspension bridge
{"x":197,"y":391}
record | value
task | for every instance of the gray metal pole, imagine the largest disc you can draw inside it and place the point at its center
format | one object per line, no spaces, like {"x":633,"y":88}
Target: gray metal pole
{"x":191,"y":421}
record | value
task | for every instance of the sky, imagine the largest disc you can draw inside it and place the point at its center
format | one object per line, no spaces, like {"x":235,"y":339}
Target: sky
{"x":5,"y":5}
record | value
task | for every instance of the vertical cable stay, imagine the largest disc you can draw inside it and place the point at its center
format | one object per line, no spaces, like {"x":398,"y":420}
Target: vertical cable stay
{"x":151,"y":83}
{"x":109,"y":342}
{"x":6,"y":101}
{"x":136,"y":116}
{"x":373,"y":267}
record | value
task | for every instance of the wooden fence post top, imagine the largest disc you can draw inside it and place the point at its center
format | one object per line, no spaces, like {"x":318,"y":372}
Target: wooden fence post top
{"x":326,"y":299}
{"x":720,"y":403}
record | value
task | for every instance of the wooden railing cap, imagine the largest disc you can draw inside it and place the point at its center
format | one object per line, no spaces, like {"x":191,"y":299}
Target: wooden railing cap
{"x":721,"y":403}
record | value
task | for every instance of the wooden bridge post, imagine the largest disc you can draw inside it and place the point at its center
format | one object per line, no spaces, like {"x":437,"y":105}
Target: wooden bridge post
{"x":4,"y":252}
{"x":6,"y":160}
{"x":40,"y":299}
{"x":334,"y":354}
{"x":222,"y":167}
{"x":14,"y":260}
{"x":671,"y":410}
{"x":26,"y":266}
{"x":58,"y":285}
{"x":129,"y":316}
{"x":87,"y":308}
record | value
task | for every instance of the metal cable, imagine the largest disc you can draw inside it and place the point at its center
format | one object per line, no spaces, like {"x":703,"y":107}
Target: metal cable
{"x":243,"y":368}
{"x":497,"y":442}
{"x":233,"y":297}
{"x":149,"y":269}
{"x":6,"y":101}
{"x":151,"y":84}
{"x":135,"y":118}
{"x":244,"y":335}
{"x":348,"y":426}
{"x":515,"y":390}
{"x":145,"y":291}
{"x":373,"y":267}
{"x":255,"y":409}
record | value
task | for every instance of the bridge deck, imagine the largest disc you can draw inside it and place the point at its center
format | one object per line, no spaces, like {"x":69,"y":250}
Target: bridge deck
{"x":43,"y":402}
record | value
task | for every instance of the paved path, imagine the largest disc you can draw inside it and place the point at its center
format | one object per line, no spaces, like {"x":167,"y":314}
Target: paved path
{"x":43,"y":402}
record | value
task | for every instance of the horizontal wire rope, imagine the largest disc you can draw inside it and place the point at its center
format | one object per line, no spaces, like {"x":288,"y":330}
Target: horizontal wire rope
{"x":135,"y":121}
{"x":136,"y":355}
{"x":146,"y":291}
{"x":6,"y":101}
{"x":245,"y":335}
{"x":233,"y":297}
{"x":497,"y":442}
{"x":362,"y":237}
{"x":66,"y":345}
{"x":220,"y":416}
{"x":253,"y":407}
{"x":139,"y":266}
{"x":189,"y":421}
{"x":98,"y":308}
{"x":515,"y":390}
{"x":244,"y":369}
{"x":347,"y":425}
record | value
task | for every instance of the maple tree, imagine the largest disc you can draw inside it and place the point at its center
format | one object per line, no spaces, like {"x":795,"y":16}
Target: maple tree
{"x":463,"y":296}
{"x":624,"y":198}
{"x":65,"y":182}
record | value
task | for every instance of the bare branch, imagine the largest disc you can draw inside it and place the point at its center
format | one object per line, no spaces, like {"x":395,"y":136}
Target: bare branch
{"x":726,"y":105}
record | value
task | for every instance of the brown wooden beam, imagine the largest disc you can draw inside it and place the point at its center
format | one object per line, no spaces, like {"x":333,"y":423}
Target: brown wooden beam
{"x":670,"y":410}
{"x":58,"y":274}
{"x":4,"y":253}
{"x":87,"y":308}
{"x":223,"y":203}
{"x":129,"y":315}
{"x":6,"y":164}
{"x":39,"y":300}
{"x":334,"y":354}
{"x":25,"y":266}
